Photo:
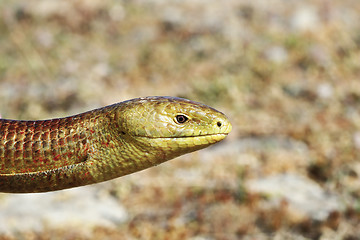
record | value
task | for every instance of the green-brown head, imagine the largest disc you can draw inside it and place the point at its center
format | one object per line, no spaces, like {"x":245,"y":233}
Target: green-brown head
{"x":170,"y":127}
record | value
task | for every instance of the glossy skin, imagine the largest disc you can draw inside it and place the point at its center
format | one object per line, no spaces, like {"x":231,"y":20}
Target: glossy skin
{"x":106,"y":143}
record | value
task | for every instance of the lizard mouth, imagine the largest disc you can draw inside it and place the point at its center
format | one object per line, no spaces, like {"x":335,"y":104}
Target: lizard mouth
{"x":193,"y":136}
{"x":185,"y":141}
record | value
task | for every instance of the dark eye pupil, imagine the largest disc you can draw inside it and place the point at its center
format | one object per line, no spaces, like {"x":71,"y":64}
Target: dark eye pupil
{"x":181,"y":118}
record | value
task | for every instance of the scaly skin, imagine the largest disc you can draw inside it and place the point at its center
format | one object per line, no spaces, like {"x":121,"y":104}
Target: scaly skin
{"x":106,"y":143}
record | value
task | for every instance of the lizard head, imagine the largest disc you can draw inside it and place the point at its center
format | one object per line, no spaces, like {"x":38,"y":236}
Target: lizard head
{"x":172,"y":126}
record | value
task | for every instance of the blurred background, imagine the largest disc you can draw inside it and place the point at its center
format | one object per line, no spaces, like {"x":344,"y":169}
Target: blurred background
{"x":286,"y":73}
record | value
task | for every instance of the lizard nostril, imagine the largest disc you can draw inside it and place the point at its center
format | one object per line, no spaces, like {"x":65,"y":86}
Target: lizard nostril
{"x":219,"y":124}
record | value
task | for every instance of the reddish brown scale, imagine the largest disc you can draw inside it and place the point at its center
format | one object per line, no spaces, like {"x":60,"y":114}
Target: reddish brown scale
{"x":37,"y":156}
{"x":34,"y":146}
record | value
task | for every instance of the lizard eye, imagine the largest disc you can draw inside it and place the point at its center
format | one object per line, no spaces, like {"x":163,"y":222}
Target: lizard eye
{"x":181,"y":118}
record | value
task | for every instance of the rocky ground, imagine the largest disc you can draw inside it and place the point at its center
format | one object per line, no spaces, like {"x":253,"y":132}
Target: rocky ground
{"x":286,"y":72}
